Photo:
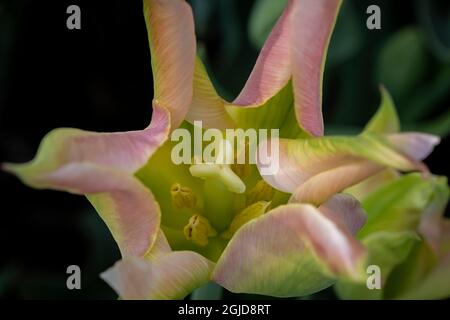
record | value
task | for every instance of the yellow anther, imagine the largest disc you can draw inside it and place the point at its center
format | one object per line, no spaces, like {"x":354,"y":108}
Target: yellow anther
{"x":251,"y":212}
{"x":198,"y":230}
{"x":182,"y":197}
{"x":262,"y":191}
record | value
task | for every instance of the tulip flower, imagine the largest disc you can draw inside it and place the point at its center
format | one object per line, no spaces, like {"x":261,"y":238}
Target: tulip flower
{"x":406,"y":236}
{"x":180,"y":226}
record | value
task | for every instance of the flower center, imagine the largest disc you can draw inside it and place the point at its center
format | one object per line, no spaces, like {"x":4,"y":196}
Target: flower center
{"x":226,"y":207}
{"x":204,"y":204}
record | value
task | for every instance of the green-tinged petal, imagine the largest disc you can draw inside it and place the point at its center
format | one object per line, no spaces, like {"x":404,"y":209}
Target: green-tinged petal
{"x":386,"y":119}
{"x":171,"y":34}
{"x":124,"y":151}
{"x":293,"y":250}
{"x":322,"y":186}
{"x":426,"y":274}
{"x":386,"y":250}
{"x":214,"y":112}
{"x":129,"y":210}
{"x":413,"y":144}
{"x":361,"y":190}
{"x":309,"y":44}
{"x":406,"y":277}
{"x":398,"y":205}
{"x":273,"y":114}
{"x":295,"y":49}
{"x":434,"y":228}
{"x":101,"y":166}
{"x":411,"y":267}
{"x":160,"y":247}
{"x":207,"y":106}
{"x":210,"y":291}
{"x":159,"y":276}
{"x":436,"y":284}
{"x":302,"y":159}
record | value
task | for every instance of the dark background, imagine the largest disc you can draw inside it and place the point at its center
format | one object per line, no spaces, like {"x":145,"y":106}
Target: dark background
{"x":99,"y":78}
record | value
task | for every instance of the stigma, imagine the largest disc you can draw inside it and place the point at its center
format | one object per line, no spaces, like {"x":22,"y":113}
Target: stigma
{"x":221,"y":172}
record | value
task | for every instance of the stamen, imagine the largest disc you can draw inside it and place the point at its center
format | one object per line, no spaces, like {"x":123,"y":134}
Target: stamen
{"x":198,"y":230}
{"x":262,"y":191}
{"x":251,"y":212}
{"x":182,"y":197}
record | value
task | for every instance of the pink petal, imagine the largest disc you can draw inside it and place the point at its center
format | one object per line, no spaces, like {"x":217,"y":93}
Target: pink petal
{"x":345,"y":211}
{"x":292,"y":250}
{"x":160,"y":247}
{"x":125,"y":151}
{"x":325,"y":162}
{"x":171,"y":32}
{"x":127,"y":207}
{"x":162,"y":274}
{"x":322,"y":186}
{"x":100,"y":165}
{"x":272,"y":69}
{"x":417,"y":146}
{"x":312,"y":25}
{"x":296,"y":48}
{"x":298,"y":162}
